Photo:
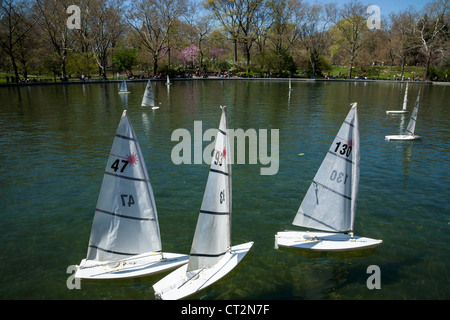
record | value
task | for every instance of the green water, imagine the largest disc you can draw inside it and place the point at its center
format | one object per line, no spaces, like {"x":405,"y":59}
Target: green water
{"x":55,"y":141}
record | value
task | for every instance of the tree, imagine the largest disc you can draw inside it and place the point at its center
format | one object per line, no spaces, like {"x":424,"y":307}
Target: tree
{"x":53,"y":14}
{"x":200,"y":23}
{"x":284,"y":30}
{"x":433,"y":30}
{"x":106,"y":28}
{"x":189,"y":55}
{"x":125,"y":59}
{"x":349,"y":30}
{"x":242,"y":19}
{"x":152,"y":21}
{"x":313,"y":22}
{"x":15,"y":27}
{"x":402,"y":35}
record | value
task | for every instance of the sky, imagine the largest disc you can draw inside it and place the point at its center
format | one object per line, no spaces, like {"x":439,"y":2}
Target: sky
{"x":386,"y":6}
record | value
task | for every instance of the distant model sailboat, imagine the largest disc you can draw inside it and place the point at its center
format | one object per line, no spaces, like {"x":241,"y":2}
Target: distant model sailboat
{"x":148,"y":99}
{"x":125,"y":239}
{"x":409,"y":135}
{"x":212,"y":256}
{"x":168,"y":81}
{"x":330,"y":202}
{"x":123,"y":87}
{"x":405,"y":103}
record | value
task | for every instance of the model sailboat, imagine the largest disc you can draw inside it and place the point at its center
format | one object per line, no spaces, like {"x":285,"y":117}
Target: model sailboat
{"x":148,"y":99}
{"x":405,"y":103}
{"x":123,"y":87}
{"x":168,"y":81}
{"x":125,"y":239}
{"x":212,"y":256}
{"x":409,"y":135}
{"x":330,"y":202}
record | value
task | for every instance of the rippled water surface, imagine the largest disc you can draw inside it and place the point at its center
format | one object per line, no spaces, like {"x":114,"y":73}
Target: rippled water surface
{"x":55,"y":141}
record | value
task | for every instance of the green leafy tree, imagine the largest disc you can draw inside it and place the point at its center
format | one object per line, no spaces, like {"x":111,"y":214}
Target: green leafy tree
{"x":125,"y":59}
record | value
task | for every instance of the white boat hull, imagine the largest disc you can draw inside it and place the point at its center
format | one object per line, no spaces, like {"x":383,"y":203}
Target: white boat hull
{"x":396,"y":111}
{"x":137,"y":266}
{"x":323,"y":241}
{"x":123,"y":92}
{"x":403,"y":137}
{"x":180,"y":284}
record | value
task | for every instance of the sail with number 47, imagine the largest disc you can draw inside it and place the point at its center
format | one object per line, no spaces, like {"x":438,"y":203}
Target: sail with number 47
{"x":125,"y":238}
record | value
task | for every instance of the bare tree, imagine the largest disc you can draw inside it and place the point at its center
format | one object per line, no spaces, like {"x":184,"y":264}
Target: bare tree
{"x":284,"y":28}
{"x":15,"y":27}
{"x":402,"y":35}
{"x":53,"y":21}
{"x":313,"y":22}
{"x":433,"y":30}
{"x":152,"y":21}
{"x":106,"y":27}
{"x":241,"y":19}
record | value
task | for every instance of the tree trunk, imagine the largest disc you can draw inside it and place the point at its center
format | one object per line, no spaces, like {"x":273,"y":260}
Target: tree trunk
{"x":425,"y":76}
{"x":16,"y":71}
{"x":235,"y":50}
{"x":350,"y":69}
{"x":155,"y":65}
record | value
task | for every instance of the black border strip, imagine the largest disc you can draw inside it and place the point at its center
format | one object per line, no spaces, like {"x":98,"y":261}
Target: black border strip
{"x":218,"y":171}
{"x":110,"y":251}
{"x":121,"y":215}
{"x":215,"y":212}
{"x":125,"y":177}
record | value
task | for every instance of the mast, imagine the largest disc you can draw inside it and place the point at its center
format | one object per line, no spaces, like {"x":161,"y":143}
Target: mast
{"x":405,"y":99}
{"x":229,"y":161}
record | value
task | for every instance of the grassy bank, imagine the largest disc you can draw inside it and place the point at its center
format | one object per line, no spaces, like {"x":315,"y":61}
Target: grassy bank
{"x":337,"y":72}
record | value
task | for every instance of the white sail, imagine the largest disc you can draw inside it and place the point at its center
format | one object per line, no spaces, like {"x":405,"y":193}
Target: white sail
{"x":168,"y":81}
{"x":330,"y":202}
{"x":123,"y":86}
{"x":405,"y":99}
{"x":125,"y":222}
{"x":212,"y":233}
{"x":412,"y":121}
{"x":148,"y":100}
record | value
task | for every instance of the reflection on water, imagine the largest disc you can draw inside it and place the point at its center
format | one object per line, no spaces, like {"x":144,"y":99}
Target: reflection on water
{"x":55,"y":143}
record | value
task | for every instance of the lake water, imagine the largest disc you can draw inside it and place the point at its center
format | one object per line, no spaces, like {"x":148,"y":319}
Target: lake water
{"x":55,"y":141}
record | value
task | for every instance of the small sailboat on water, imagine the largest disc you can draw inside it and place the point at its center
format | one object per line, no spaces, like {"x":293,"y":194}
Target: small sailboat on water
{"x":168,"y":81}
{"x":409,"y":135}
{"x":125,"y":238}
{"x":212,"y":256}
{"x":148,"y":99}
{"x":123,"y":87}
{"x":330,"y":202}
{"x":405,"y":103}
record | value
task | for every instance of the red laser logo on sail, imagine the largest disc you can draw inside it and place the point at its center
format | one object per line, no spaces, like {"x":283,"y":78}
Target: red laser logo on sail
{"x":132,"y":159}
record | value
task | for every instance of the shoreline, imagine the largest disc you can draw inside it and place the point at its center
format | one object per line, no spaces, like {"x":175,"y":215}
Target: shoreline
{"x":218,"y":79}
